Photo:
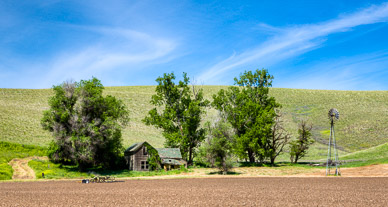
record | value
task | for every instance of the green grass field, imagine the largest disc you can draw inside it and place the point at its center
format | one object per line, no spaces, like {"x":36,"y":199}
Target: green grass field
{"x":8,"y":151}
{"x":57,"y":171}
{"x":373,"y":153}
{"x":371,"y":156}
{"x":362,"y":125}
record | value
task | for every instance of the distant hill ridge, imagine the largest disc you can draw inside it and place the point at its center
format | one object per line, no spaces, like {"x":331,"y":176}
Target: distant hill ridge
{"x":363,"y":115}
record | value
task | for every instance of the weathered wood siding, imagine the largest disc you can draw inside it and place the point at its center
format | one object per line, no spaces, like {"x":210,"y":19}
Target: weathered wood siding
{"x":138,"y":157}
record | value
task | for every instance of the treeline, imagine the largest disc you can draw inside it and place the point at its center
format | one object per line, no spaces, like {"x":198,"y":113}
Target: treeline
{"x":87,"y":126}
{"x":248,"y":127}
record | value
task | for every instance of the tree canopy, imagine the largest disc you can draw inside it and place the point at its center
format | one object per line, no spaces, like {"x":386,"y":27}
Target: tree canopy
{"x":180,"y":118}
{"x":86,"y":125}
{"x":250,"y":110}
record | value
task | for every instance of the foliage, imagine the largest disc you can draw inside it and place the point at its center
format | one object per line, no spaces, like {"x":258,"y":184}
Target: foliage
{"x":219,"y":146}
{"x":299,"y":147}
{"x":278,"y":139}
{"x":250,"y":110}
{"x":154,"y":161}
{"x":9,"y":151}
{"x":181,"y":117}
{"x":86,"y":126}
{"x":201,"y":158}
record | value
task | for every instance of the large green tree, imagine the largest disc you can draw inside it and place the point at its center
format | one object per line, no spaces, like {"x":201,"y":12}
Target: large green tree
{"x":86,"y":125}
{"x":251,"y":111}
{"x":180,"y":118}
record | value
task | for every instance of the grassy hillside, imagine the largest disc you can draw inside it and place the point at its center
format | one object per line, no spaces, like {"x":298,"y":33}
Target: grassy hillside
{"x":378,"y":152}
{"x":363,"y":115}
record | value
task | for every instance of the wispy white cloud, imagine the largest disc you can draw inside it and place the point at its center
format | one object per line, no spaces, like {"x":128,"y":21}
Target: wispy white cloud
{"x":117,"y":49}
{"x":346,"y":73}
{"x":266,"y":28}
{"x":91,"y":39}
{"x":293,"y":41}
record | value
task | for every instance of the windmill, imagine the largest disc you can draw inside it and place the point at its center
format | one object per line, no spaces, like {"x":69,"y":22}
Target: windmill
{"x":333,"y":116}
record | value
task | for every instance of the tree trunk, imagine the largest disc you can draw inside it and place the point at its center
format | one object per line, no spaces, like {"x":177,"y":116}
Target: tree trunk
{"x":190,"y":162}
{"x":224,"y":170}
{"x":296,"y":158}
{"x":261,"y":159}
{"x":251,"y":156}
{"x":273,"y":160}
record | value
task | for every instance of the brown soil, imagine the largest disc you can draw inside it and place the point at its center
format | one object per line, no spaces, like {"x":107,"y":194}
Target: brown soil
{"x":21,"y":170}
{"x":365,"y":171}
{"x":259,"y":191}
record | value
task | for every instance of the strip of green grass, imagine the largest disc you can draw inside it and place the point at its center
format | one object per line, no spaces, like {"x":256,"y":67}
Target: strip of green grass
{"x":378,"y":152}
{"x":365,"y":162}
{"x":55,"y":171}
{"x":6,"y":171}
{"x":127,"y":173}
{"x":371,"y":156}
{"x":9,"y":151}
{"x":58,"y":171}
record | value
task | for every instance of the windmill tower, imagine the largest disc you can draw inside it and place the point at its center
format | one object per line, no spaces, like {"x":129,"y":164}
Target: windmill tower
{"x":332,"y":159}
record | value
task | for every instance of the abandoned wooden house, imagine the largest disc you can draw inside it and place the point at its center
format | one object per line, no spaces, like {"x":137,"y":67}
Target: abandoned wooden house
{"x":137,"y":157}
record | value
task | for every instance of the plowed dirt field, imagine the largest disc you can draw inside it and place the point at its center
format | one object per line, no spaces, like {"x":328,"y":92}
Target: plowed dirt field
{"x":260,"y":191}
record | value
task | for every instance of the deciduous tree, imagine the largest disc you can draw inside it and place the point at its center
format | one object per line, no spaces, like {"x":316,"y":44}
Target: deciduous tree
{"x":250,"y":110}
{"x":180,"y":118}
{"x":86,"y":125}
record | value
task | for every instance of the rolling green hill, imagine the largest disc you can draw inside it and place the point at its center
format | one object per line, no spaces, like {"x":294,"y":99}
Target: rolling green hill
{"x":363,"y":115}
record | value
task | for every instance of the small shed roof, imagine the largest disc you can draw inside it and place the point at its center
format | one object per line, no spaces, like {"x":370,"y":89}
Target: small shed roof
{"x":173,"y":161}
{"x":174,"y":153}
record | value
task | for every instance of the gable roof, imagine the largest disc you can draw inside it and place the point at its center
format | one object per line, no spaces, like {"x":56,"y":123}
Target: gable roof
{"x":164,"y":153}
{"x":134,"y":148}
{"x":169,"y":153}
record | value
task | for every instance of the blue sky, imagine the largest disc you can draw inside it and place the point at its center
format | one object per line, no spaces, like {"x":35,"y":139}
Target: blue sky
{"x":341,"y":45}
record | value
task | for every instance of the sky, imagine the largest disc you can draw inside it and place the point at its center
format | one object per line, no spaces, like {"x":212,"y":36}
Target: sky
{"x":335,"y":45}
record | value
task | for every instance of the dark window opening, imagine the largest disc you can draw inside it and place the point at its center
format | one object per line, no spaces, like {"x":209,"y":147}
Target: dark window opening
{"x":144,"y":165}
{"x":144,"y":151}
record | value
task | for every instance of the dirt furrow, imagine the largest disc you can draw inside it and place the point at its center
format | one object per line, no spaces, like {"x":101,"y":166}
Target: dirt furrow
{"x":21,"y":170}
